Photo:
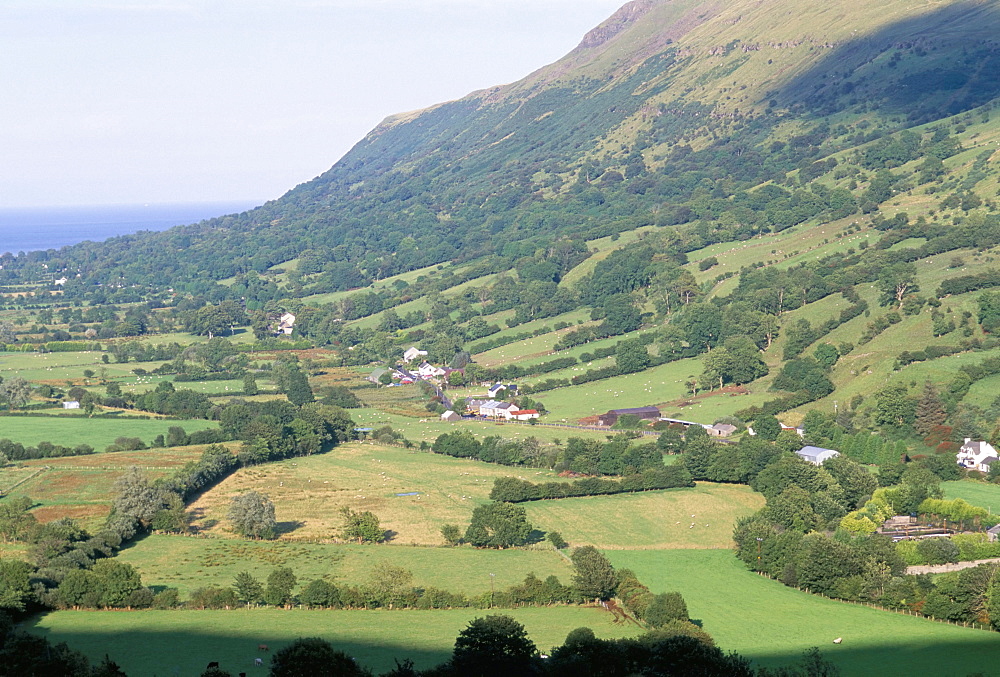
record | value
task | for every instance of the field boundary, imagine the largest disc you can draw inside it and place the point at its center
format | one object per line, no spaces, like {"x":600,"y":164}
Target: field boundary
{"x":4,"y":492}
{"x":973,"y":625}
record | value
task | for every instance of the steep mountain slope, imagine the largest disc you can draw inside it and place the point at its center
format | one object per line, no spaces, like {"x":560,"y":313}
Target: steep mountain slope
{"x":664,"y":99}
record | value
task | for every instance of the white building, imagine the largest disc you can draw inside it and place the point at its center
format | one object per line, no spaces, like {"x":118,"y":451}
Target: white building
{"x":286,"y":323}
{"x":976,"y":455}
{"x":413,"y":353}
{"x":816,"y":455}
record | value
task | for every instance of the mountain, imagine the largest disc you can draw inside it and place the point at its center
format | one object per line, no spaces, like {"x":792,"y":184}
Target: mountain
{"x":663,"y":97}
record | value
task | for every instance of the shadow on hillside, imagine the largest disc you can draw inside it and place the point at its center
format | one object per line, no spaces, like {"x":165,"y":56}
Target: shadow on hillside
{"x":282,"y":528}
{"x":926,"y":67}
{"x":174,"y":652}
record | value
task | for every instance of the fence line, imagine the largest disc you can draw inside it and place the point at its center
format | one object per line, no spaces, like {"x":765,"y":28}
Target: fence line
{"x":4,"y":492}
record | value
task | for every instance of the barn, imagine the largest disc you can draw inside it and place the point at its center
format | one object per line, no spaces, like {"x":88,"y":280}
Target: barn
{"x":645,"y":413}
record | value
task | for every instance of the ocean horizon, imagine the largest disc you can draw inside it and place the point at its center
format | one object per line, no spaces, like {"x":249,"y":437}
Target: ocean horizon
{"x":39,"y":228}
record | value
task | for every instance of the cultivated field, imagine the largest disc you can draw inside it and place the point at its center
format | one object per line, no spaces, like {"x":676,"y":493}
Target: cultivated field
{"x":189,"y":563}
{"x":183,"y":642}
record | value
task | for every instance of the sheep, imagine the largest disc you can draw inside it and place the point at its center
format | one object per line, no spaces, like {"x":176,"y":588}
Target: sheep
{"x":838,"y":640}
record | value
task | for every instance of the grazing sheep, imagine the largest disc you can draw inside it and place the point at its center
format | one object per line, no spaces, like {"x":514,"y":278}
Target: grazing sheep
{"x":838,"y":640}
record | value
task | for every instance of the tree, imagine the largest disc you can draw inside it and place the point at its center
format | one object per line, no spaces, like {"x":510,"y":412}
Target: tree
{"x":136,"y":499}
{"x":15,"y":583}
{"x":250,"y":384}
{"x":320,"y":593}
{"x":493,"y":646}
{"x":452,"y":534}
{"x":363,"y":527}
{"x":631,"y":356}
{"x":313,"y":657}
{"x":280,"y":584}
{"x":896,"y":281}
{"x":15,"y":391}
{"x":766,"y":427}
{"x":929,"y":411}
{"x":892,"y":407}
{"x":252,"y":515}
{"x":665,"y":607}
{"x":298,"y":390}
{"x":248,"y":589}
{"x":593,"y":574}
{"x":498,"y":525}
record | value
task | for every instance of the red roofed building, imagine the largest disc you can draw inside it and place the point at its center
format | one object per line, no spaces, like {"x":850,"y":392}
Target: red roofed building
{"x":524,"y":414}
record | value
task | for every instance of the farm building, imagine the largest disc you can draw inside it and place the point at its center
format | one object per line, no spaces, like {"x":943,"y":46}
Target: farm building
{"x":976,"y":455}
{"x":376,"y":375}
{"x":71,"y":404}
{"x":816,"y":455}
{"x":523,"y":414}
{"x":450,"y":416}
{"x":645,"y":413}
{"x":494,"y":409}
{"x":721,"y":429}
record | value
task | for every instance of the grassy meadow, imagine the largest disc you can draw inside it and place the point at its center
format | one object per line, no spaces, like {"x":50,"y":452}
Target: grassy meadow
{"x":98,"y":431}
{"x":977,"y":493}
{"x":189,"y":563}
{"x":773,"y":624}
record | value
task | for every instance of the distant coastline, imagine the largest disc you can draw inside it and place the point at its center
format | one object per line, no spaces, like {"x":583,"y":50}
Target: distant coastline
{"x":36,"y":228}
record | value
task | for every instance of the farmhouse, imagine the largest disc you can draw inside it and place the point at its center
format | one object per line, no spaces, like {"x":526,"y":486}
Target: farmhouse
{"x":524,"y":414}
{"x":494,"y":409}
{"x":976,"y":455}
{"x":450,"y":416}
{"x":71,"y":404}
{"x":511,"y":389}
{"x":816,"y":455}
{"x":645,"y":413}
{"x":286,"y":323}
{"x":413,"y":353}
{"x":428,"y":370}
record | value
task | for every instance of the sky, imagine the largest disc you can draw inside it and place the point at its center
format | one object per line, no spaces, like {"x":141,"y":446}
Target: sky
{"x":171,"y":101}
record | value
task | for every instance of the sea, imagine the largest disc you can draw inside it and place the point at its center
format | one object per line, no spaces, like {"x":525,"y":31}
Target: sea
{"x":29,"y":229}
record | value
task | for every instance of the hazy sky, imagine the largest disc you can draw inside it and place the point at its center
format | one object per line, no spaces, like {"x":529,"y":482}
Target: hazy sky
{"x":132,"y":101}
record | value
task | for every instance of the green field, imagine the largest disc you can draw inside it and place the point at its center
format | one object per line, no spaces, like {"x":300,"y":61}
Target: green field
{"x":183,"y":642}
{"x":654,"y":519}
{"x":189,"y":563}
{"x":773,"y":624}
{"x":977,"y":493}
{"x":98,"y":432}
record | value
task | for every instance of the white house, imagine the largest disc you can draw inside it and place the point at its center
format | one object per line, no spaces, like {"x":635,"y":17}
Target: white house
{"x":499,"y":387}
{"x":976,"y":455}
{"x":816,"y":455}
{"x":286,"y":323}
{"x":61,"y":281}
{"x":413,"y":353}
{"x":428,"y":370}
{"x":494,"y":409}
{"x":71,"y":404}
{"x":524,"y":414}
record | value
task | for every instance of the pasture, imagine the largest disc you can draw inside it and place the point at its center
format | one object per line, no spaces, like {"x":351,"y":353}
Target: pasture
{"x":81,"y":486}
{"x":650,"y":520}
{"x":183,"y":642}
{"x":977,"y":493}
{"x":189,"y":563}
{"x":308,"y":492}
{"x":773,"y":624}
{"x":98,"y":431}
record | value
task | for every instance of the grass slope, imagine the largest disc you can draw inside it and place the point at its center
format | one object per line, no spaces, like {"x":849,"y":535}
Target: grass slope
{"x":99,"y":432}
{"x":773,"y":624}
